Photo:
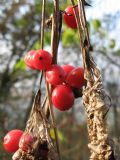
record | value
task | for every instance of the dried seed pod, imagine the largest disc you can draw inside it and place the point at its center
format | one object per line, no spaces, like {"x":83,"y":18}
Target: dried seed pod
{"x":36,"y":143}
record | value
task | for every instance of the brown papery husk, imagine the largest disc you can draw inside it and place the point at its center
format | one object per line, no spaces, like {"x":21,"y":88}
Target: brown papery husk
{"x":39,"y":127}
{"x":97,"y":104}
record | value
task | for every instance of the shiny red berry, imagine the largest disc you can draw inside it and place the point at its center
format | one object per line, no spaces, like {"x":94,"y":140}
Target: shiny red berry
{"x":26,"y":142}
{"x":28,"y":59}
{"x":76,"y":78}
{"x":42,"y":60}
{"x":11,"y":140}
{"x":69,"y":17}
{"x":55,"y":75}
{"x":62,"y":97}
{"x":68,"y":68}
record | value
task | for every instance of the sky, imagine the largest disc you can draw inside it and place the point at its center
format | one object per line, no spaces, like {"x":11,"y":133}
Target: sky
{"x":99,"y":8}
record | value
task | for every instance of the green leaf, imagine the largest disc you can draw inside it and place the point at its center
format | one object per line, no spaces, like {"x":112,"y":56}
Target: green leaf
{"x":60,"y":135}
{"x":70,"y":38}
{"x":117,"y":52}
{"x":21,"y":22}
{"x":36,"y":45}
{"x":20,"y":65}
{"x":38,"y":7}
{"x":96,"y":24}
{"x":112,"y":43}
{"x":48,"y":38}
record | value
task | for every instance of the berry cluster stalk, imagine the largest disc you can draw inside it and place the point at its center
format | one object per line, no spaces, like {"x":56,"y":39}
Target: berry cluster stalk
{"x":54,"y":52}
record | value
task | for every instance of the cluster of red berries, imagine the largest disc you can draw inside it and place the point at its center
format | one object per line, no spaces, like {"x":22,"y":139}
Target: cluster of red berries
{"x":16,"y":139}
{"x":63,"y":78}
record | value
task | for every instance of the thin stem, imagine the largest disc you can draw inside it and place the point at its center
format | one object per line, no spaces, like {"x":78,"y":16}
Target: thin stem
{"x":52,"y":117}
{"x":78,"y":24}
{"x":44,"y":101}
{"x":55,"y":31}
{"x":82,"y":9}
{"x":82,"y":35}
{"x":54,"y":44}
{"x":42,"y":32}
{"x":41,"y":77}
{"x":43,"y":23}
{"x":55,"y":35}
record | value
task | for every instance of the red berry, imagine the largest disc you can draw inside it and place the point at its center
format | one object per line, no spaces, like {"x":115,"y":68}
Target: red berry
{"x":26,"y":142}
{"x":68,"y":68}
{"x":76,"y":78}
{"x":55,"y":75}
{"x":11,"y":140}
{"x":69,"y":17}
{"x":62,"y":97}
{"x":42,"y":60}
{"x":28,"y":59}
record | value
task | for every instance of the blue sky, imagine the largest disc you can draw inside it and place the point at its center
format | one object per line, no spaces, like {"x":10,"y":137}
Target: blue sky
{"x":100,"y":8}
{"x":103,"y":7}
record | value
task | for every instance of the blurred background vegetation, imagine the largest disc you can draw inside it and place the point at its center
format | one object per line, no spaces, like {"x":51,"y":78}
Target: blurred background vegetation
{"x":20,"y":32}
